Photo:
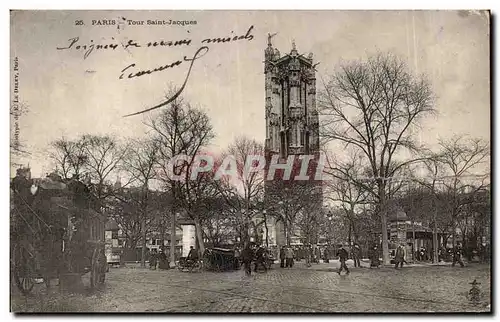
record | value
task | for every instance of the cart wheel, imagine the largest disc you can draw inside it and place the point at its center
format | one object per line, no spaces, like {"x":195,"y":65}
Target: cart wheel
{"x":97,"y":271}
{"x":24,"y":269}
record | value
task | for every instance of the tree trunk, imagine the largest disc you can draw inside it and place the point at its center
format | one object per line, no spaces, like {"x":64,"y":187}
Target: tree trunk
{"x":435,"y":238}
{"x":246,"y":233}
{"x":349,"y":236}
{"x":413,"y":240}
{"x":383,"y":217}
{"x":453,"y":239}
{"x":287,"y":232}
{"x":267,"y":231}
{"x":256,"y":233}
{"x":144,"y":240}
{"x":172,"y":239}
{"x":162,"y":235}
{"x":199,"y":236}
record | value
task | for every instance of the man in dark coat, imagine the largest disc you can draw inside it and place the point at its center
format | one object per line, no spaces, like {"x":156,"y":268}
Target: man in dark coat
{"x":325,"y":255}
{"x":282,"y":257}
{"x":289,"y":257}
{"x":163,"y":260}
{"x":400,"y":257}
{"x":457,"y":256}
{"x":237,"y":258}
{"x":342,"y":254}
{"x":374,"y":257}
{"x":260,"y":258}
{"x":193,"y":254}
{"x":247,"y":256}
{"x":356,"y":254}
{"x":153,"y":259}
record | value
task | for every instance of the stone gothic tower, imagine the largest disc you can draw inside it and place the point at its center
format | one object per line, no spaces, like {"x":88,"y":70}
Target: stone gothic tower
{"x":292,"y":130}
{"x":292,"y":125}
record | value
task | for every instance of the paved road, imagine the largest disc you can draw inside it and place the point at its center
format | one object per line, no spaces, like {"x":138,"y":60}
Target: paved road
{"x":317,"y":289}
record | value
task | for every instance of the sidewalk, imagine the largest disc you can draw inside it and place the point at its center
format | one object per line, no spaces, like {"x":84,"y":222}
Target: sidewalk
{"x":334,"y":264}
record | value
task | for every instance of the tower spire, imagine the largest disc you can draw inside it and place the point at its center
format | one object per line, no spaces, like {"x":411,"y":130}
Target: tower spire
{"x":293,"y":52}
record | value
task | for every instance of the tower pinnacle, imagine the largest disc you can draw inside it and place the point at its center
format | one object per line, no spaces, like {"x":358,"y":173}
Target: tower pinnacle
{"x":269,"y":38}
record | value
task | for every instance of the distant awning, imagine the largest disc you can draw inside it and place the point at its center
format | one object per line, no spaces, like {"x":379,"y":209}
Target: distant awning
{"x":185,"y":222}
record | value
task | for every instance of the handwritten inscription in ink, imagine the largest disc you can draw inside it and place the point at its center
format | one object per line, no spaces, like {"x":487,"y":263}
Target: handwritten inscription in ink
{"x":133,"y":71}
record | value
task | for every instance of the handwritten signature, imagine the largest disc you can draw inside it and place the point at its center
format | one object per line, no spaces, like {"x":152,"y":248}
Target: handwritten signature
{"x":202,"y":51}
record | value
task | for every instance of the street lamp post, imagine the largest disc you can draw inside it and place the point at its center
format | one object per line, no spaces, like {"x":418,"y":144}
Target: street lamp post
{"x":285,"y":221}
{"x":264,"y":212}
{"x":330,"y":218}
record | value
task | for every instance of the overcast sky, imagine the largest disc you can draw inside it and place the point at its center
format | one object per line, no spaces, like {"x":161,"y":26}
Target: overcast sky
{"x":69,"y":95}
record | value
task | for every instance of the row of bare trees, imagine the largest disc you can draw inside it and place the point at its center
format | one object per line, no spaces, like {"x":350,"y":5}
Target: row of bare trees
{"x":371,"y":110}
{"x":152,"y":193}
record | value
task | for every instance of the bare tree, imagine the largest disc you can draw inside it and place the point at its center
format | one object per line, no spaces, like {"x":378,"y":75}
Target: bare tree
{"x":245,"y":190}
{"x":370,"y":107}
{"x":104,"y":156}
{"x":70,"y":157}
{"x":463,"y":163}
{"x":219,"y":221}
{"x":295,"y":201}
{"x":181,"y":129}
{"x":452,"y":179}
{"x":140,"y":164}
{"x":350,"y":195}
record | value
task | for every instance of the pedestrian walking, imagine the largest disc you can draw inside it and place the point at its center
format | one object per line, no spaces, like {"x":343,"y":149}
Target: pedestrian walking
{"x":317,"y":254}
{"x":457,"y":256}
{"x":374,"y":257}
{"x":441,"y":253}
{"x":163,"y":260}
{"x":356,"y":254}
{"x":400,"y":257}
{"x":308,"y":255}
{"x":260,"y":258}
{"x":342,"y":254}
{"x":247,"y":256}
{"x":153,"y":259}
{"x":237,"y":258}
{"x":282,"y":257}
{"x":326,"y":254}
{"x":422,"y":254}
{"x":289,"y":257}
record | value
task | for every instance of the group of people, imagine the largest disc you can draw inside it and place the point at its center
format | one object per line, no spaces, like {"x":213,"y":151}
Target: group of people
{"x":259,"y":255}
{"x":286,"y":257}
{"x":158,"y":259}
{"x":400,"y":256}
{"x":256,"y":254}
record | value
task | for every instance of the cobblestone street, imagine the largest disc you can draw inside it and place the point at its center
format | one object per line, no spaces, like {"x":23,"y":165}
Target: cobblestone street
{"x":300,"y":289}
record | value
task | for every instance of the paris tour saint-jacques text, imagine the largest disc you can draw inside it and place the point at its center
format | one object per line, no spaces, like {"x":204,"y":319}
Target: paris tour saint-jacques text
{"x":134,"y":22}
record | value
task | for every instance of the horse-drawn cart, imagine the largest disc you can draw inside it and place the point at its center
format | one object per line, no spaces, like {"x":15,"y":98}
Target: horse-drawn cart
{"x":56,"y":232}
{"x":220,"y":259}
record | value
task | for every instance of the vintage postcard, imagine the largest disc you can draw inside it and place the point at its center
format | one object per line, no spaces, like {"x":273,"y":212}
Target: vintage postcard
{"x":250,"y":161}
